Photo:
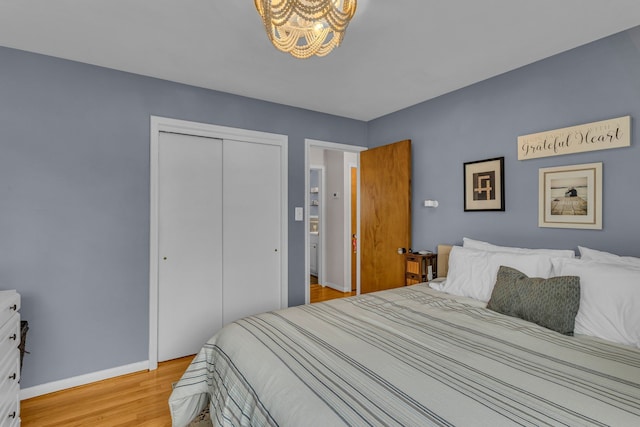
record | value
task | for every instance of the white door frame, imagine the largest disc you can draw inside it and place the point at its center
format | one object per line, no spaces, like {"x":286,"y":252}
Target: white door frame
{"x":322,"y":217}
{"x":163,"y":124}
{"x":325,"y":145}
{"x":348,"y":242}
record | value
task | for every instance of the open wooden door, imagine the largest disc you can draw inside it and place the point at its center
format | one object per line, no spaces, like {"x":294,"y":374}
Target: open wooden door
{"x":385,"y":215}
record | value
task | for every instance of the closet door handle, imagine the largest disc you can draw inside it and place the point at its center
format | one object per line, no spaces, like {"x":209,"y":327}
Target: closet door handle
{"x":14,"y":307}
{"x":13,"y":337}
{"x":12,"y":415}
{"x":12,"y":377}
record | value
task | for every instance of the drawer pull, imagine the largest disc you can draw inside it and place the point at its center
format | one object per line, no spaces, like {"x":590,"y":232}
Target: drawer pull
{"x":13,"y":337}
{"x":12,"y":415}
{"x":14,"y":307}
{"x":13,"y":376}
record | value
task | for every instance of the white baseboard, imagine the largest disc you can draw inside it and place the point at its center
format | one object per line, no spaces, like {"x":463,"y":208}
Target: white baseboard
{"x":337,"y":287}
{"x":39,"y":390}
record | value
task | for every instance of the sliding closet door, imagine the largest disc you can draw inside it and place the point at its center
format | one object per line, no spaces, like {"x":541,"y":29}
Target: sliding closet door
{"x":252,"y":200}
{"x":190,"y":243}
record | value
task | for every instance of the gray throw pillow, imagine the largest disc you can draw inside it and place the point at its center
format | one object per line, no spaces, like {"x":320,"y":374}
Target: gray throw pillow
{"x":552,"y":303}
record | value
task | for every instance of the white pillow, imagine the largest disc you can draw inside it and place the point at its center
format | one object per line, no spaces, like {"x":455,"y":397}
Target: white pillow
{"x":472,"y":273}
{"x":609,"y":299}
{"x":477,"y":244}
{"x":594,"y":255}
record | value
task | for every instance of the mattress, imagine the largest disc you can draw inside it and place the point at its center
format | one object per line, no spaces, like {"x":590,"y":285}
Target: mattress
{"x":410,"y":356}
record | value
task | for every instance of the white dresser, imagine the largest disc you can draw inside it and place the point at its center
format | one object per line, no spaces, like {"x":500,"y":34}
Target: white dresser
{"x":9,"y":359}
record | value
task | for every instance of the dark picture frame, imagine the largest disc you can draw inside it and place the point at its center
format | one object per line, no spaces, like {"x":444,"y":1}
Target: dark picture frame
{"x":484,"y":185}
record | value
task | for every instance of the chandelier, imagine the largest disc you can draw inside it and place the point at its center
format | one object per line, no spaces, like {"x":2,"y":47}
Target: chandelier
{"x":305,"y":28}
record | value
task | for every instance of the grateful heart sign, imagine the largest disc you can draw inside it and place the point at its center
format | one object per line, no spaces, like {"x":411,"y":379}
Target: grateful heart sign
{"x":602,"y":135}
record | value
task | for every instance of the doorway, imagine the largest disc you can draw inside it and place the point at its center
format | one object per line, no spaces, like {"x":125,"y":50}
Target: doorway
{"x":383,"y":214}
{"x":336,"y":265}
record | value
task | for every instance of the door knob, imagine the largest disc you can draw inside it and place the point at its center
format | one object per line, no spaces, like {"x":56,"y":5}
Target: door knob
{"x":402,"y":251}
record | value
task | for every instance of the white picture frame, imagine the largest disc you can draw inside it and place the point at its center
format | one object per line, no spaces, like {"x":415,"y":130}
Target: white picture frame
{"x":571,"y":196}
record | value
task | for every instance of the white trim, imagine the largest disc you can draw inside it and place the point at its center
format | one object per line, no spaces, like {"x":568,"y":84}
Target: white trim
{"x":321,"y":225}
{"x":336,"y":287}
{"x":163,"y":124}
{"x":39,"y":390}
{"x":308,"y":143}
{"x":215,"y":131}
{"x":347,"y":224}
{"x":359,"y":252}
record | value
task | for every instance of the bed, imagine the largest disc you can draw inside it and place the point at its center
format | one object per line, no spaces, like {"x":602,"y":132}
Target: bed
{"x":411,"y":356}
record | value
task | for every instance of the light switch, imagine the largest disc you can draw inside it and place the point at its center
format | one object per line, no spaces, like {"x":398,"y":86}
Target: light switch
{"x":299,"y":213}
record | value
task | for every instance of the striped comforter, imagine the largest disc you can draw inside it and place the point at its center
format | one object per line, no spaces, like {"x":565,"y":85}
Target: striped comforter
{"x":406,"y":357}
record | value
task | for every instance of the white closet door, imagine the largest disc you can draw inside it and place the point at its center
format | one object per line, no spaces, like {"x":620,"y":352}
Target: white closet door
{"x":252,"y":218}
{"x":190,"y":243}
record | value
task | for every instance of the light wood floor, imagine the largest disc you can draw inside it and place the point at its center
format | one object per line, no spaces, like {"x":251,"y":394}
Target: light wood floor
{"x":318,"y":293}
{"x":138,"y":399}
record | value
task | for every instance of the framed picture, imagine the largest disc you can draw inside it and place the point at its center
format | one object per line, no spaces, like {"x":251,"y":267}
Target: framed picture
{"x":571,"y":196}
{"x":484,"y":185}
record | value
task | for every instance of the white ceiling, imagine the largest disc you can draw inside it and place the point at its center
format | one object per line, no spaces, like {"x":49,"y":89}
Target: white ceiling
{"x":395,"y":54}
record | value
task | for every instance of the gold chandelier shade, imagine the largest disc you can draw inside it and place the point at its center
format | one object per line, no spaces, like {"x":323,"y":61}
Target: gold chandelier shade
{"x":305,"y":28}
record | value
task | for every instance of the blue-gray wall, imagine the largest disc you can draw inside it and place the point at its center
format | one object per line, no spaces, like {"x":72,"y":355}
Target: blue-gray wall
{"x":591,"y":83}
{"x":74,"y":180}
{"x":74,"y":197}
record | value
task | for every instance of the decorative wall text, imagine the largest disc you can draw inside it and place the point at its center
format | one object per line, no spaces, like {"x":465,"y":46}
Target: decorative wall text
{"x":613,"y":133}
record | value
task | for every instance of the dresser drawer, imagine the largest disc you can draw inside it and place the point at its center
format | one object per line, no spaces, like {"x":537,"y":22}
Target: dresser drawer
{"x":10,"y":407}
{"x":10,"y":334}
{"x":9,"y":305}
{"x":9,"y":370}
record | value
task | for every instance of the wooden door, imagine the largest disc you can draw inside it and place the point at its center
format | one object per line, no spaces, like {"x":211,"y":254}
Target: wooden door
{"x":385,"y":215}
{"x":189,"y":243}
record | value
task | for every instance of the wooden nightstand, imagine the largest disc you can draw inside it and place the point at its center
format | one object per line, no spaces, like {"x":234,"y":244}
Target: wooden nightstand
{"x":416,"y":268}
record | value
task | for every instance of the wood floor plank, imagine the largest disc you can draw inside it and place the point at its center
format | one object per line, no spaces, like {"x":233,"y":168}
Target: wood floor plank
{"x":320,"y":293}
{"x":138,"y":399}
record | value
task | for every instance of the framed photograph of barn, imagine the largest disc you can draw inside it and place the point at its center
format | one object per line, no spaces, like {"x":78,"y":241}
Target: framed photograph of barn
{"x":571,"y":196}
{"x":484,"y":185}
